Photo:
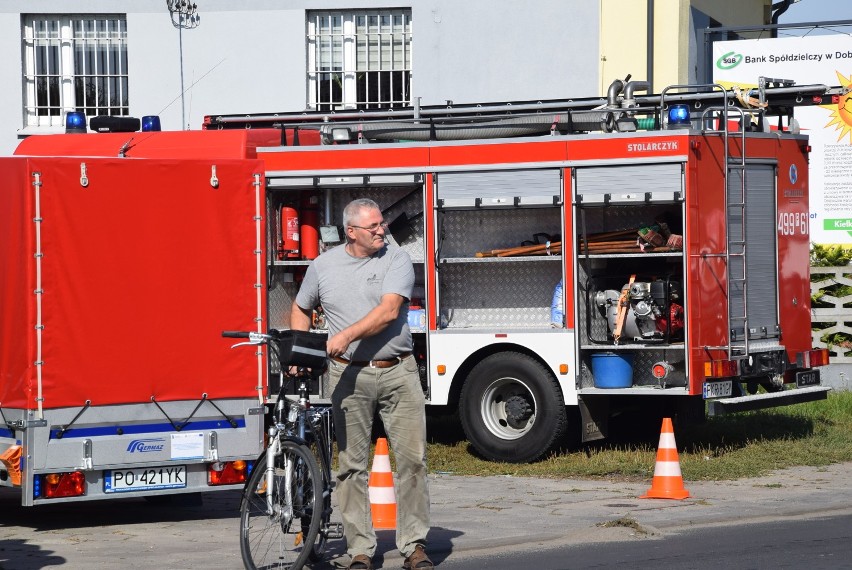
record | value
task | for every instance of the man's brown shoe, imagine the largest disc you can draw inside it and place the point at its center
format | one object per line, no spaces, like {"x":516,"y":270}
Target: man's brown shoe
{"x":418,"y":560}
{"x":361,"y":562}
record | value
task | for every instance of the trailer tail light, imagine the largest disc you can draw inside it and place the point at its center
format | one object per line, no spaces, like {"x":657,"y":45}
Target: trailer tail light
{"x":812,"y":358}
{"x":228,"y":473}
{"x":720,"y":369}
{"x":56,"y":485}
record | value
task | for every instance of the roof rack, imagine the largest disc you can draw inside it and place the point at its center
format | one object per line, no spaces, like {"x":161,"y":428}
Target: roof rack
{"x":621,"y":110}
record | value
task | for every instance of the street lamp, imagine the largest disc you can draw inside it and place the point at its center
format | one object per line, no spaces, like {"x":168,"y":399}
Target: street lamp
{"x":184,"y":17}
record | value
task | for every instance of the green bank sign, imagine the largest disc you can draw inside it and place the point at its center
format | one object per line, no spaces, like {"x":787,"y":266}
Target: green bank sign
{"x":729,"y":61}
{"x":841,"y":224}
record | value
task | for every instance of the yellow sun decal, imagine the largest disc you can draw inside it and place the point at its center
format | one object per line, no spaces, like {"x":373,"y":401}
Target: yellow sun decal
{"x":841,"y":117}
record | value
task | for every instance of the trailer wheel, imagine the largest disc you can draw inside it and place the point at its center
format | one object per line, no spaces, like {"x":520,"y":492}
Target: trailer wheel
{"x":511,"y":408}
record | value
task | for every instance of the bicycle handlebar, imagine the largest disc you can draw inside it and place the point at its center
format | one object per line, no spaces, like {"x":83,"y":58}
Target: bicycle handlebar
{"x":235,"y":334}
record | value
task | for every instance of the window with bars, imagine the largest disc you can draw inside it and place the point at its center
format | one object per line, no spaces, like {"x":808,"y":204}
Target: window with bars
{"x":359,"y":59}
{"x":74,"y":63}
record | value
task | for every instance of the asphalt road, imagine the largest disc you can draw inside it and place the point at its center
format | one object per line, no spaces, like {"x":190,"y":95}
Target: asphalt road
{"x":794,"y":543}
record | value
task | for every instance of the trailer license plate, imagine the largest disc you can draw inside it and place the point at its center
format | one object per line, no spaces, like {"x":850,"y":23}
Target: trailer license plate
{"x":151,"y":478}
{"x":717,"y":389}
{"x":807,"y":378}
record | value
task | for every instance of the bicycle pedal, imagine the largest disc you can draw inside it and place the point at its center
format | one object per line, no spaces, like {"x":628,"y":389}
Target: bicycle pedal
{"x":334,"y":530}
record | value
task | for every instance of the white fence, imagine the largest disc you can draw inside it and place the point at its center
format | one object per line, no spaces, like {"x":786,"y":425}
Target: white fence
{"x":838,"y":317}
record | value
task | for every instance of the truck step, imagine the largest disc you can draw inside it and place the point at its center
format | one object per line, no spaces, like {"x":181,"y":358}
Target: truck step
{"x":768,"y":400}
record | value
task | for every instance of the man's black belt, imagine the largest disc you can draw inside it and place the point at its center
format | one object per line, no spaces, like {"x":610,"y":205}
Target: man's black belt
{"x":372,"y":363}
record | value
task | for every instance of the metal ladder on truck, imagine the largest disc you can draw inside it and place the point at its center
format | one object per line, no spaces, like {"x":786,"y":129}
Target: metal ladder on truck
{"x":736,"y":250}
{"x":735,"y":253}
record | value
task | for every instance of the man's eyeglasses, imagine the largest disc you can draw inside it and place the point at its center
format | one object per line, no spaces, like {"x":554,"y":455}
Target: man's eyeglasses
{"x":372,"y":228}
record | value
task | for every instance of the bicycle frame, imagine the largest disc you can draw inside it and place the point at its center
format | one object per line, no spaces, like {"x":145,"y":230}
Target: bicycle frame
{"x":300,"y":436}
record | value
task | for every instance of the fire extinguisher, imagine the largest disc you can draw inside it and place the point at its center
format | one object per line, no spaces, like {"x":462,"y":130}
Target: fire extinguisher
{"x":288,"y":245}
{"x":309,"y":229}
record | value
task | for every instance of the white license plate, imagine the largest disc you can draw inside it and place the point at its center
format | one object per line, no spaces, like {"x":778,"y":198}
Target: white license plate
{"x":147,"y":479}
{"x":718,"y":389}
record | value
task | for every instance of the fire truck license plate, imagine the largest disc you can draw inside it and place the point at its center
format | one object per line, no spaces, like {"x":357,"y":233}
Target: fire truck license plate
{"x":717,"y":389}
{"x":807,"y":378}
{"x":123,"y":480}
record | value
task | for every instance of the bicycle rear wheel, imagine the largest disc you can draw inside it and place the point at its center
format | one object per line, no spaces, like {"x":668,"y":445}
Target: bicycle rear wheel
{"x":277,"y":528}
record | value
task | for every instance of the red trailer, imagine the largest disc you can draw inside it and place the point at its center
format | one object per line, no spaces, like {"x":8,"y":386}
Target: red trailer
{"x":121,"y":264}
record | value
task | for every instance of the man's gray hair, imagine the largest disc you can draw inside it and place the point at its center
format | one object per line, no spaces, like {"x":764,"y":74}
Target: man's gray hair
{"x":354,"y":208}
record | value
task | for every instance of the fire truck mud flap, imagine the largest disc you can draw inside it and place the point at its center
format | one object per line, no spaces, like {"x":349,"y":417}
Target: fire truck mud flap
{"x":768,"y":400}
{"x":511,"y":408}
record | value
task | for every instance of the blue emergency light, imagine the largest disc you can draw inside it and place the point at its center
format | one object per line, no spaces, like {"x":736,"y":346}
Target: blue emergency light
{"x":150,"y":123}
{"x":75,"y":122}
{"x":679,"y":115}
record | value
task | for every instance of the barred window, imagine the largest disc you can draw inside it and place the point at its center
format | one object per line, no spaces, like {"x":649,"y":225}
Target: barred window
{"x":359,"y":59}
{"x":74,"y":63}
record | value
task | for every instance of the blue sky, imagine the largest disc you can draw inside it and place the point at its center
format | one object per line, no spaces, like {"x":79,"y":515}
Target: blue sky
{"x":817,"y":11}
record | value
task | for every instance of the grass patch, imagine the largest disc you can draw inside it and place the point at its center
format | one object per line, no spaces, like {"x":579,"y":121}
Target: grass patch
{"x":626,"y":522}
{"x":749,"y":444}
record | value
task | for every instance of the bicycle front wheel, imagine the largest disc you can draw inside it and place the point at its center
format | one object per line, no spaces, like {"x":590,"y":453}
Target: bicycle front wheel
{"x":280,"y":511}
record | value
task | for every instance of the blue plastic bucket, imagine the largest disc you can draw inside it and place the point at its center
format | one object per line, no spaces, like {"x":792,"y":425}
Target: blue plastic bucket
{"x":612,"y":370}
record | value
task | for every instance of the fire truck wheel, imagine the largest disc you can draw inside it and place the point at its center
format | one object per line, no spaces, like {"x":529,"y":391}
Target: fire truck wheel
{"x":511,"y":408}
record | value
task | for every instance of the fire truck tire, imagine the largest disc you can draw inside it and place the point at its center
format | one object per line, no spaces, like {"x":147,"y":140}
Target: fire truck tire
{"x":511,"y":408}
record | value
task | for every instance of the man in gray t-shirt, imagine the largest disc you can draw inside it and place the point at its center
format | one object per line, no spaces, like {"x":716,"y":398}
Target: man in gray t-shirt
{"x":364,"y":287}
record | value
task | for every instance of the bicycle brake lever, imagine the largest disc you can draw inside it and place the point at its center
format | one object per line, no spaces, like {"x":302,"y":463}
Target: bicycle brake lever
{"x":247,"y":343}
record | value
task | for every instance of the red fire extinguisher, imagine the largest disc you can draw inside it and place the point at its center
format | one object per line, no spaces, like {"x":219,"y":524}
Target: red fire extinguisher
{"x":309,"y":229}
{"x":288,"y":246}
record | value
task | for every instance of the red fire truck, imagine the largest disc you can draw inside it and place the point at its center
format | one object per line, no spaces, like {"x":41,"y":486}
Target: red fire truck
{"x":574,"y":258}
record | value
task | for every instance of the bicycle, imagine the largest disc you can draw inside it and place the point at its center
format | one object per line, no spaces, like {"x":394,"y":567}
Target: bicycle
{"x":285,"y":510}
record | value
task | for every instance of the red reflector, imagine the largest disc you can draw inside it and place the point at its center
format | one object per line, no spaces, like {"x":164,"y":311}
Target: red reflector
{"x":500,"y":335}
{"x":227,"y":473}
{"x":819,"y":357}
{"x":720,"y":369}
{"x":57,"y":485}
{"x":811,"y":358}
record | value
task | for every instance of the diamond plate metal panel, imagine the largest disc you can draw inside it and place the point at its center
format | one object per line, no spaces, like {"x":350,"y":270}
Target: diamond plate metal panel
{"x":466,"y":232}
{"x":497,"y":294}
{"x":280,"y":298}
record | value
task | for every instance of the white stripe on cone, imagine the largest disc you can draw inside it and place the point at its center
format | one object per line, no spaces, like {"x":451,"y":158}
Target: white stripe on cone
{"x":382,"y":495}
{"x":667,"y":441}
{"x":381,"y":464}
{"x":667,"y":469}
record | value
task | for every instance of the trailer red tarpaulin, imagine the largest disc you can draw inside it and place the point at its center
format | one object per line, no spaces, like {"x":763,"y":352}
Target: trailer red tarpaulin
{"x":127,"y":320}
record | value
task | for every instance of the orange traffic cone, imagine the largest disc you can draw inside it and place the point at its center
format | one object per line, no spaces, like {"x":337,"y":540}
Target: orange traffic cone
{"x":11,"y":459}
{"x":668,"y":482}
{"x":382,"y":497}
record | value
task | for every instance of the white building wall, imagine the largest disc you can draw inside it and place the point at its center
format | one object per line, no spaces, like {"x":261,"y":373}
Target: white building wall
{"x":250,"y":57}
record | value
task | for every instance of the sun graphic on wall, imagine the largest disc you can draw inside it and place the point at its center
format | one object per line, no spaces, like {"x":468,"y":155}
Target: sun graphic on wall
{"x":841,"y":118}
